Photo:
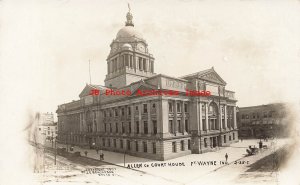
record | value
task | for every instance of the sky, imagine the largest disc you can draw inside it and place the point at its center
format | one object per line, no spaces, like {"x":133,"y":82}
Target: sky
{"x":46,"y":45}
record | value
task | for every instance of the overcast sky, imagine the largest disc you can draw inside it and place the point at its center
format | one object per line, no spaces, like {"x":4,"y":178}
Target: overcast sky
{"x":46,"y":45}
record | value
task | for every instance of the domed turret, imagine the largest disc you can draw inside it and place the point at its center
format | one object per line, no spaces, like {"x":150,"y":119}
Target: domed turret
{"x":128,"y":32}
{"x":129,"y":60}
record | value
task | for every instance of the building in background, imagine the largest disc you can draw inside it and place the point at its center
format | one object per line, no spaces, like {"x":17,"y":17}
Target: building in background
{"x":46,"y":127}
{"x":271,"y":120}
{"x":156,"y":127}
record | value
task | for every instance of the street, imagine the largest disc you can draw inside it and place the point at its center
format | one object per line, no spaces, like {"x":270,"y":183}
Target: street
{"x":191,"y":169}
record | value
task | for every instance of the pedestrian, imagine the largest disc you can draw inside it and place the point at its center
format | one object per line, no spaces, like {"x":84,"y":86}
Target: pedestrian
{"x":101,"y":157}
{"x":226,"y":157}
{"x":85,"y":152}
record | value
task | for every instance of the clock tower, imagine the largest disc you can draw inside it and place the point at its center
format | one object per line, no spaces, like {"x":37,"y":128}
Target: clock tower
{"x":129,"y":60}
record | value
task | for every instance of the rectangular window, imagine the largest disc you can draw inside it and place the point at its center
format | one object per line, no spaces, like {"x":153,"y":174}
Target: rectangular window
{"x":104,"y":114}
{"x":129,"y":127}
{"x":136,"y":146}
{"x":229,"y":138}
{"x":105,"y":127}
{"x":110,"y":113}
{"x":117,"y":128}
{"x":185,"y":107}
{"x":128,"y":145}
{"x":204,"y":124}
{"x":174,"y":147}
{"x":189,"y":144}
{"x":116,"y":112}
{"x":108,"y":142}
{"x":123,"y":128}
{"x":171,"y":126}
{"x":110,"y":128}
{"x":145,"y":146}
{"x":224,"y":138}
{"x":182,"y":145}
{"x":129,"y":111}
{"x":145,"y":127}
{"x":137,"y":127}
{"x":115,"y":143}
{"x":140,"y":63}
{"x":123,"y":111}
{"x":186,"y":126}
{"x":154,"y":126}
{"x":178,"y":107}
{"x":233,"y":136}
{"x":121,"y":143}
{"x":144,"y":64}
{"x":170,"y":107}
{"x":179,"y":126}
{"x":145,"y":108}
{"x":103,"y":142}
{"x":154,"y":147}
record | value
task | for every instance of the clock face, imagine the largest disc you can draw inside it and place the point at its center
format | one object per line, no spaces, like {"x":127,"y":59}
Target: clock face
{"x":141,"y":47}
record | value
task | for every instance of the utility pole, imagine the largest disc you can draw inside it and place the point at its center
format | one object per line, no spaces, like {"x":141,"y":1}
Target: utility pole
{"x":52,"y":138}
{"x":55,"y":151}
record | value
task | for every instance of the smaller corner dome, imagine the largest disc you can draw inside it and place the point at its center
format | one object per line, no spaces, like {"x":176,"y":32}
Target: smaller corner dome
{"x":127,"y":46}
{"x":128,"y":32}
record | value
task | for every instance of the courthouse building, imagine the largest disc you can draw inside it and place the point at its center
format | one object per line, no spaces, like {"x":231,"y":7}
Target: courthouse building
{"x":271,"y":120}
{"x":155,"y":127}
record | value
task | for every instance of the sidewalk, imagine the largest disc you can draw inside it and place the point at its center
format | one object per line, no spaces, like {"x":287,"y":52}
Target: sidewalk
{"x":235,"y":151}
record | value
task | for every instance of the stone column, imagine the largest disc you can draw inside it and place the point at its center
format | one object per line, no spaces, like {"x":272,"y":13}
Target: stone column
{"x":140,"y":118}
{"x":200,"y":116}
{"x":225,"y":116}
{"x":183,"y":118}
{"x":206,"y":116}
{"x":132,"y":119}
{"x":175,"y":117}
{"x":150,"y":129}
{"x":220,"y":117}
{"x":234,"y":117}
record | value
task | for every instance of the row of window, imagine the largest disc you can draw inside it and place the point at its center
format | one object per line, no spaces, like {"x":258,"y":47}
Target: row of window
{"x":257,"y":115}
{"x":129,"y":145}
{"x":182,"y":145}
{"x":109,"y":113}
{"x":108,"y":127}
{"x":178,"y":107}
{"x":186,"y":127}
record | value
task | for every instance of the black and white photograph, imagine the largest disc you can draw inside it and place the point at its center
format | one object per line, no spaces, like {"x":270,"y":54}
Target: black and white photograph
{"x":174,"y":92}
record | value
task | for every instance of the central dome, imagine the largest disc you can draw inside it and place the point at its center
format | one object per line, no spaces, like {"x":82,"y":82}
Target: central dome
{"x":128,"y":32}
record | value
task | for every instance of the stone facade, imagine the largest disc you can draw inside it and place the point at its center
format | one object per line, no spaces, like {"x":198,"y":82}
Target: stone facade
{"x":156,"y":126}
{"x":271,"y":120}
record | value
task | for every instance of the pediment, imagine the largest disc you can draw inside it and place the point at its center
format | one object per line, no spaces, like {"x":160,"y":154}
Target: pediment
{"x":87,"y":89}
{"x":142,"y":87}
{"x":212,"y":76}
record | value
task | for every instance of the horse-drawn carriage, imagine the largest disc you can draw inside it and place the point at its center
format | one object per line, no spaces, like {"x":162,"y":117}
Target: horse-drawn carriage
{"x":252,"y":150}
